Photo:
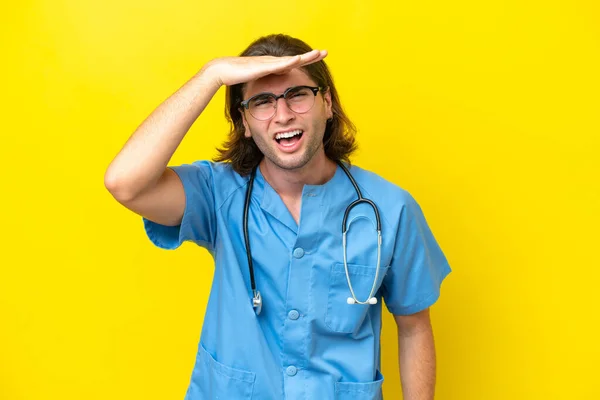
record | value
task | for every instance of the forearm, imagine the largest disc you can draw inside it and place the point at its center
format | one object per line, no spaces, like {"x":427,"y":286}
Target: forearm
{"x":417,"y":361}
{"x":145,"y":155}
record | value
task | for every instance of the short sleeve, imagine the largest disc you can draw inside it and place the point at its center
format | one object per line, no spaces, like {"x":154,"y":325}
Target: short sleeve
{"x":199,"y":218}
{"x":418,"y":265}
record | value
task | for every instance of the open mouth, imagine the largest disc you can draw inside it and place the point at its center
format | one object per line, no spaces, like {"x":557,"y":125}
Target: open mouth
{"x":289,"y":139}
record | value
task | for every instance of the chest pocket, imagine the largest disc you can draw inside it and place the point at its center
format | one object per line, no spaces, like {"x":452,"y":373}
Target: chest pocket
{"x":341,"y":316}
{"x":213,"y":380}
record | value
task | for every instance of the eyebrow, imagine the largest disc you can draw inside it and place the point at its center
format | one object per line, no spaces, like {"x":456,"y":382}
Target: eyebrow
{"x":262,"y":94}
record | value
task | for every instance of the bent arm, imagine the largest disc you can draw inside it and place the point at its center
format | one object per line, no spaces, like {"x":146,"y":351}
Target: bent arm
{"x":138,"y":176}
{"x":416,"y":356}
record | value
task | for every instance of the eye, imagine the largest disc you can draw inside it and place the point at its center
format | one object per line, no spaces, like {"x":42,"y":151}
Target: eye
{"x":264,"y":100}
{"x":298,"y":93}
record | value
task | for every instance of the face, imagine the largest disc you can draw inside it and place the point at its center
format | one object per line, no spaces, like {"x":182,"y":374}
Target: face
{"x":289,"y":140}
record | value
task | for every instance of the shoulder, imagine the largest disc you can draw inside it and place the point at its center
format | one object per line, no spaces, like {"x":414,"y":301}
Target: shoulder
{"x":383,"y":191}
{"x":219,"y":172}
{"x":397,"y":206}
{"x":220,"y":177}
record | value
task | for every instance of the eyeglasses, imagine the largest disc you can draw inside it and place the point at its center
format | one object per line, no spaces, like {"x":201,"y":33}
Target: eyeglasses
{"x":299,"y":99}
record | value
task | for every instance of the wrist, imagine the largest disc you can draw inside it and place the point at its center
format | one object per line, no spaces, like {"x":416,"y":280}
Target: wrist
{"x":209,"y":76}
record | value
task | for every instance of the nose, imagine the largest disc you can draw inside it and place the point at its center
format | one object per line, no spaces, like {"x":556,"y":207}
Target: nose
{"x":283,"y":114}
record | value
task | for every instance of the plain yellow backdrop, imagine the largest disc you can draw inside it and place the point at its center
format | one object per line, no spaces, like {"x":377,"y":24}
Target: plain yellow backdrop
{"x":488,"y":112}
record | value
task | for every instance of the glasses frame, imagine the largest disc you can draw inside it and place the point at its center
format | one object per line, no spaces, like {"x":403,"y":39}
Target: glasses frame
{"x":246,"y":103}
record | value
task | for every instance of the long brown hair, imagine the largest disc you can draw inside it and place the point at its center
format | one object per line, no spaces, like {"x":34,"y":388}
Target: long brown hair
{"x":339,"y":139}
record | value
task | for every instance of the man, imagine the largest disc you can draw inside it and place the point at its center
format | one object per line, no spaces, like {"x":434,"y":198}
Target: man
{"x":295,"y":307}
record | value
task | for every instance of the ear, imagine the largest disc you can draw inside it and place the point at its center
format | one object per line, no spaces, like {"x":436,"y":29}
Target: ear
{"x":247,"y":132}
{"x":328,"y":103}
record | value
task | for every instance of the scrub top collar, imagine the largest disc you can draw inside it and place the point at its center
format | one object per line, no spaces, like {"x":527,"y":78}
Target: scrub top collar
{"x":270,"y":201}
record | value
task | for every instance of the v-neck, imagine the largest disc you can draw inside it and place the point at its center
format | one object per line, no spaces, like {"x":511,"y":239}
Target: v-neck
{"x":271,"y":201}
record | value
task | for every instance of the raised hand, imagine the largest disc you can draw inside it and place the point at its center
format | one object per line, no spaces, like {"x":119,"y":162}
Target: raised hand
{"x":233,"y":70}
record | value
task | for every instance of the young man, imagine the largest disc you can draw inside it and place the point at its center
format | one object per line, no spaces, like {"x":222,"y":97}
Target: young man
{"x":295,"y":307}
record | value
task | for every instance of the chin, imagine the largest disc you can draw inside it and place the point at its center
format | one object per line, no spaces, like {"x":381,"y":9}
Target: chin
{"x":292,"y":162}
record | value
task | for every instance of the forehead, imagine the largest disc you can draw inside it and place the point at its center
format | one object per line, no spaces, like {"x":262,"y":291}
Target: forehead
{"x":277,"y":83}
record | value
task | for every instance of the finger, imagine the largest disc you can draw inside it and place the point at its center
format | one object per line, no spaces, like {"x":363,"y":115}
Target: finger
{"x":305,"y":59}
{"x":284,"y":64}
{"x":300,"y":60}
{"x":310,"y":56}
{"x":320,"y":54}
{"x":288,"y":62}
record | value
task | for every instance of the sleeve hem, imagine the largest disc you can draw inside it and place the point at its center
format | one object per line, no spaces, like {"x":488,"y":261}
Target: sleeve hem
{"x":421,"y":305}
{"x":170,"y":239}
{"x":427,"y":302}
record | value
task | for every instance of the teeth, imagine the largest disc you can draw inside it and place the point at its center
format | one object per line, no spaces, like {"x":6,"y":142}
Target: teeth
{"x":288,"y":134}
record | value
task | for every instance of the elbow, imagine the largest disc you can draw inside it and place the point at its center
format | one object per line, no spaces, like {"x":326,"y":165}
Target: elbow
{"x":116,"y":186}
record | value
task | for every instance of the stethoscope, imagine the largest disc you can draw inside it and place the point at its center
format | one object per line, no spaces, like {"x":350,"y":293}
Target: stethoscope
{"x":257,"y":301}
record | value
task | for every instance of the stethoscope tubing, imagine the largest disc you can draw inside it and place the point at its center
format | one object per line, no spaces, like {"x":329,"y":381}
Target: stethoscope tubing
{"x":256,"y":296}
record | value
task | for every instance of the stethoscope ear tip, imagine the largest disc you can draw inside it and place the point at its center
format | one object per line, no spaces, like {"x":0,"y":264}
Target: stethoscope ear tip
{"x":350,"y":300}
{"x":373,"y":300}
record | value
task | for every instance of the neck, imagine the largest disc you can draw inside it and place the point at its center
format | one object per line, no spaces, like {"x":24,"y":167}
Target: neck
{"x":289,"y":183}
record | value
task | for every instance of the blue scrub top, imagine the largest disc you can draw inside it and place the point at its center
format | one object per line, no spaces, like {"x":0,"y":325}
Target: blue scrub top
{"x":308,"y":342}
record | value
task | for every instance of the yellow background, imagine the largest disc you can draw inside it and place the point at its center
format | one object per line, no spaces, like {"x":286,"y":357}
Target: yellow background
{"x":486,"y":111}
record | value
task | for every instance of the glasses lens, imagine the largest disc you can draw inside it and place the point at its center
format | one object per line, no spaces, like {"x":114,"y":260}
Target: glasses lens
{"x":300,"y":99}
{"x":262,"y":107}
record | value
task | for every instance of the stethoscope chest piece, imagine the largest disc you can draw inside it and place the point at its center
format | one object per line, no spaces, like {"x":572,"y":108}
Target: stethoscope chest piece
{"x":257,"y":302}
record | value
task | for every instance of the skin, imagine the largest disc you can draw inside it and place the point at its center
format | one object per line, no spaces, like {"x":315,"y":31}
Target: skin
{"x":416,"y":356}
{"x":138,"y":176}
